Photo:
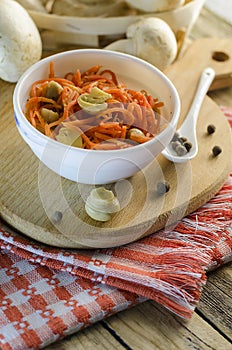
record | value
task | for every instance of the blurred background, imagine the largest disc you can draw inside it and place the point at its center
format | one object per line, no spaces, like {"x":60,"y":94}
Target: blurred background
{"x":222,"y":8}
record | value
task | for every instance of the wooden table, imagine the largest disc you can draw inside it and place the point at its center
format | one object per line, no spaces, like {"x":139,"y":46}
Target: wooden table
{"x":150,"y":326}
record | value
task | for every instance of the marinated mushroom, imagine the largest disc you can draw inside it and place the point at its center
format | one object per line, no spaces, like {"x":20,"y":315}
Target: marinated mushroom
{"x":95,"y":101}
{"x":70,"y":135}
{"x":53,"y":90}
{"x":49,"y":115}
{"x":151,"y":39}
{"x":135,"y":131}
{"x":20,"y":42}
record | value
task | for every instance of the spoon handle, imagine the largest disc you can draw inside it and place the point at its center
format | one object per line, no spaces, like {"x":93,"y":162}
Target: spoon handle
{"x":206,"y":79}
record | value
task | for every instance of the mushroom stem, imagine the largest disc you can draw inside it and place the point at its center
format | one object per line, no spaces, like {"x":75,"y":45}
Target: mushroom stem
{"x":122,"y":45}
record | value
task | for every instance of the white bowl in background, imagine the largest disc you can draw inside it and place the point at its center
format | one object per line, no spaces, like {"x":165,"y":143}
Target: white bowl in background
{"x":94,"y":166}
{"x":86,"y":31}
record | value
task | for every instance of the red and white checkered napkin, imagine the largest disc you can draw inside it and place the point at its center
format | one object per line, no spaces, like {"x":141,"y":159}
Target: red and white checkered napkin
{"x":48,"y":293}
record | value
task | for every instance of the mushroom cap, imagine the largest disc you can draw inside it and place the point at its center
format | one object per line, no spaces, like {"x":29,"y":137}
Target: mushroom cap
{"x":154,"y":5}
{"x":20,"y":42}
{"x":154,"y":41}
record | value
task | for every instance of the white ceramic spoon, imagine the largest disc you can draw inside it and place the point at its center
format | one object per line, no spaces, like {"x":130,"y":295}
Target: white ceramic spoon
{"x":188,"y":128}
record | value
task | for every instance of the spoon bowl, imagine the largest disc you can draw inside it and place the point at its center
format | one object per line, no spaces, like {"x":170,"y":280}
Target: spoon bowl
{"x":188,"y":128}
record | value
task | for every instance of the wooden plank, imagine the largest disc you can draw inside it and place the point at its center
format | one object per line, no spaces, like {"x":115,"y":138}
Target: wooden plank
{"x":215,"y":303}
{"x":223,"y":97}
{"x":95,"y":337}
{"x":149,"y":326}
{"x":224,"y":10}
{"x":209,"y":25}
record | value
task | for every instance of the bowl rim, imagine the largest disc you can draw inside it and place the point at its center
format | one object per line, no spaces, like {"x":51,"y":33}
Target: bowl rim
{"x":18,"y":111}
{"x":105,"y":25}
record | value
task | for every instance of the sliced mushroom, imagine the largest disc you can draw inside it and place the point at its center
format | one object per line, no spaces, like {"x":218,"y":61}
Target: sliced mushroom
{"x":49,"y":115}
{"x":70,"y":135}
{"x":135,"y":131}
{"x":53,"y":90}
{"x":94,"y":101}
{"x":101,"y":203}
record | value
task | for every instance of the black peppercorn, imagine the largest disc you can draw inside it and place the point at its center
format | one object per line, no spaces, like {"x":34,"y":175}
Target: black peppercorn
{"x":174,"y":144}
{"x":182,"y":139}
{"x":211,"y":129}
{"x":162,"y":187}
{"x":181,"y":150}
{"x":57,"y":216}
{"x":187,"y":145}
{"x":175,"y":137}
{"x":216,"y":150}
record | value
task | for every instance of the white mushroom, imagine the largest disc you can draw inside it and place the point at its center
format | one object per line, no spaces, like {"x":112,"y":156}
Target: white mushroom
{"x":150,"y":39}
{"x":20,"y":42}
{"x":155,"y":5}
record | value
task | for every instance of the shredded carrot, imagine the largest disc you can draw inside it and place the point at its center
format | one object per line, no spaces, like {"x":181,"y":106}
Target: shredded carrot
{"x":112,"y":74}
{"x":105,"y":130}
{"x":52,"y":73}
{"x":140,"y":139}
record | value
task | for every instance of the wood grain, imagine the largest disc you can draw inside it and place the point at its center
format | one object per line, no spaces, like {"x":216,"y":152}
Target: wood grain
{"x":207,"y":24}
{"x":30,"y":193}
{"x":149,"y":326}
{"x":218,"y":288}
{"x":96,"y":337}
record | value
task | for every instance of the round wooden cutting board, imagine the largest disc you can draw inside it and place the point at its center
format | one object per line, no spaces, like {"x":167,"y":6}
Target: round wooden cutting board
{"x":30,"y":193}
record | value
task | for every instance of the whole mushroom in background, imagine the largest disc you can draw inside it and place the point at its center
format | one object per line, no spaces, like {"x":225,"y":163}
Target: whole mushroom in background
{"x":20,"y":41}
{"x":155,"y":5}
{"x":150,"y":39}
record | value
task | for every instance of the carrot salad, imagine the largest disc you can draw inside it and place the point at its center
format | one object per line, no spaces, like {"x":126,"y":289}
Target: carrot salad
{"x":92,"y":110}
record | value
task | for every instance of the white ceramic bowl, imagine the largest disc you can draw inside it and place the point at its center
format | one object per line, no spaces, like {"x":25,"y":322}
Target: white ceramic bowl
{"x":94,"y":166}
